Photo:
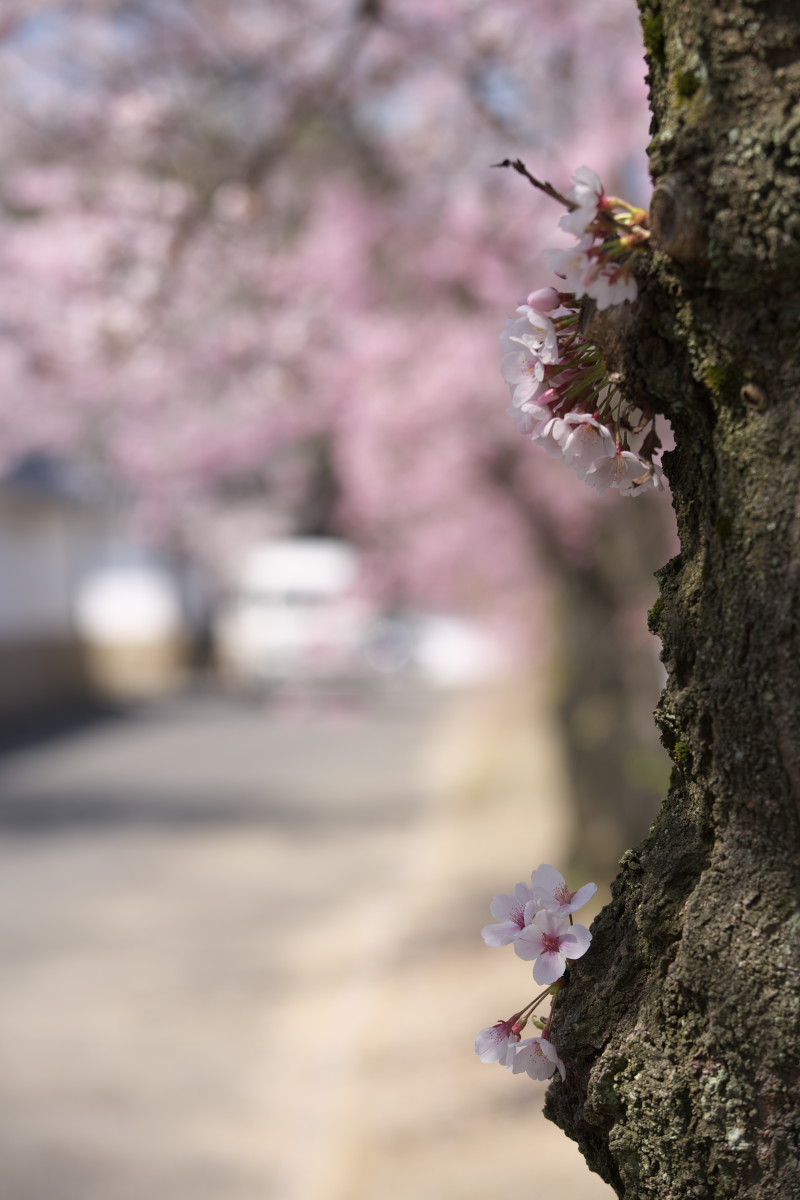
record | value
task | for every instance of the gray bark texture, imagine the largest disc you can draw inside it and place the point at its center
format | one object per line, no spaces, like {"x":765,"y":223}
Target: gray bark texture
{"x":680,"y":1029}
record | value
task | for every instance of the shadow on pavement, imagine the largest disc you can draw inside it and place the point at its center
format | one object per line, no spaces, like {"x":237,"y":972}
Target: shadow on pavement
{"x":23,"y":733}
{"x":75,"y":813}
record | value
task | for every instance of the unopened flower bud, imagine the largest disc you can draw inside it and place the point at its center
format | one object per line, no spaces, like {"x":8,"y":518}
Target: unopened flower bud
{"x":544,"y":300}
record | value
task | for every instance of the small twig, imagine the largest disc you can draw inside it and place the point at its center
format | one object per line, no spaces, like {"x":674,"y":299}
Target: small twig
{"x":519,"y":166}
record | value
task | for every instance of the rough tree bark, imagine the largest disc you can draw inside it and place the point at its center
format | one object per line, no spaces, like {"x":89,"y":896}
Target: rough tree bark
{"x":681,"y":1028}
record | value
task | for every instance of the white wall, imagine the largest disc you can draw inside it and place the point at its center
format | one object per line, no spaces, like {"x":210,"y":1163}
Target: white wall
{"x":44,"y":551}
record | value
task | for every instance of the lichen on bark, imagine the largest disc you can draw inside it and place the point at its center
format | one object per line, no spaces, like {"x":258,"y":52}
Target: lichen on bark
{"x":681,"y":1028}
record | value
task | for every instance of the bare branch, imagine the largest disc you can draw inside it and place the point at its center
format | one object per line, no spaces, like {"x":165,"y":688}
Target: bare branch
{"x":519,"y":166}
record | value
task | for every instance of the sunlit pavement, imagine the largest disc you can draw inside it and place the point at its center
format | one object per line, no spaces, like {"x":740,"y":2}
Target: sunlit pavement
{"x":242,"y":960}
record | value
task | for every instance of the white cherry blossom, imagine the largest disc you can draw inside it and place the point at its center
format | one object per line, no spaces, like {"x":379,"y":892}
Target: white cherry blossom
{"x":550,"y":940}
{"x":586,"y":193}
{"x":550,"y":891}
{"x":530,"y":418}
{"x":541,"y":336}
{"x":572,"y":266}
{"x":509,"y":909}
{"x":537,"y":1056}
{"x":622,"y":470}
{"x":551,"y":363}
{"x":587,"y":443}
{"x":514,"y":328}
{"x":523,"y":371}
{"x":495,"y":1043}
{"x":552,"y":435}
{"x":610,"y":285}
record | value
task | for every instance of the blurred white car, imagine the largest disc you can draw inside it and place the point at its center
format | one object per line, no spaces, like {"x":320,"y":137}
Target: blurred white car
{"x":294,"y":616}
{"x":451,"y":651}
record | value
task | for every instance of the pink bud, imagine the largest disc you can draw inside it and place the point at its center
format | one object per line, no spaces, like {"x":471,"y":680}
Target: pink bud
{"x":544,"y":300}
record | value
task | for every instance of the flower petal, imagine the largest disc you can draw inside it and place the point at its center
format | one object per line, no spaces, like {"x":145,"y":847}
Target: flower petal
{"x":576,"y":942}
{"x":491,"y":1045}
{"x":529,"y":943}
{"x":549,"y":1051}
{"x":530,"y":1056}
{"x":549,"y":966}
{"x":500,"y":935}
{"x":581,"y":897}
{"x":545,"y":881}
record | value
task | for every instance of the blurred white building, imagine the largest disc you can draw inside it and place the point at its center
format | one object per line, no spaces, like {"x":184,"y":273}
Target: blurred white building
{"x":52,"y":526}
{"x":81,"y":616}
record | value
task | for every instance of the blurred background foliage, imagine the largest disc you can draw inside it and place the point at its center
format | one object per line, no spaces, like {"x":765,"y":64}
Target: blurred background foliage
{"x":255,"y":263}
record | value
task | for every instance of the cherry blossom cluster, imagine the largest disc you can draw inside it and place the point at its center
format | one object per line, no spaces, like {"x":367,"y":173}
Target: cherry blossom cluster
{"x":561,"y":393}
{"x":537,"y":919}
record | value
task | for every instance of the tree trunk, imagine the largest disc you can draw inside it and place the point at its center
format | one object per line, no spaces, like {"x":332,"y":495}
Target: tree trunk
{"x":680,"y":1028}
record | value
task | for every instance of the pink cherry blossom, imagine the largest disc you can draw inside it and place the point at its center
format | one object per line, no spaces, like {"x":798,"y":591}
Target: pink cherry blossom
{"x":550,"y":891}
{"x":550,"y":940}
{"x":495,"y":1043}
{"x":510,"y":912}
{"x":537,"y":1056}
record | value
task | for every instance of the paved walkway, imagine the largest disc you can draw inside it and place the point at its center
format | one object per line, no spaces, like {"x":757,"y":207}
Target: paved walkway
{"x":242,"y":960}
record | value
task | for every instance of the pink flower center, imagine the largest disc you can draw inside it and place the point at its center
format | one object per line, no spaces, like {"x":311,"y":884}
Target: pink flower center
{"x":563,"y":895}
{"x":552,"y":943}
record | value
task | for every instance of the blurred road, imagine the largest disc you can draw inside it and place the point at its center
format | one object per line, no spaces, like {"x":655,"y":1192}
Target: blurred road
{"x":241,"y":960}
